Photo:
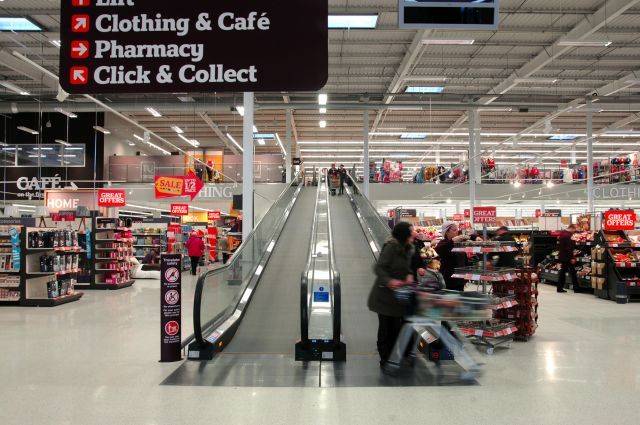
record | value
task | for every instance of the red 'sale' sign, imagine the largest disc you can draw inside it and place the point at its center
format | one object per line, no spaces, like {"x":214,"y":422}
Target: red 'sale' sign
{"x":179,"y":209}
{"x":112,"y":198}
{"x":619,"y":220}
{"x":484,"y":215}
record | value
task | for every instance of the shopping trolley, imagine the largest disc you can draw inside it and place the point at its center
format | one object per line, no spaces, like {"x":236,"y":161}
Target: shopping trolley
{"x":435,"y":322}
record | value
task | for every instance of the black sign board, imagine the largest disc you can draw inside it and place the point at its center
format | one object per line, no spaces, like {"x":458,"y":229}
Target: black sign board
{"x":170,"y":307}
{"x":166,"y":46}
{"x":297,"y":161}
{"x":457,"y":14}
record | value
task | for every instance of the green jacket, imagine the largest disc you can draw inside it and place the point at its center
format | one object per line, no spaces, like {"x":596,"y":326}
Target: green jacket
{"x":394,"y":263}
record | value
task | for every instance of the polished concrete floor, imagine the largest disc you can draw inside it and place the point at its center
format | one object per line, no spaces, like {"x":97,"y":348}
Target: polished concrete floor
{"x":96,"y":362}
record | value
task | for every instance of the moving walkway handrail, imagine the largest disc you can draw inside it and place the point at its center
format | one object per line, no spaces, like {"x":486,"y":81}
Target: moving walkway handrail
{"x":362,"y":218}
{"x":336,"y":293}
{"x":198,"y":326}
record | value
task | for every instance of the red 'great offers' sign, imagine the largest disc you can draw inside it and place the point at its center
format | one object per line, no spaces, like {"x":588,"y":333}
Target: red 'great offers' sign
{"x":484,"y":215}
{"x":619,"y":220}
{"x":112,"y":198}
{"x":179,"y":209}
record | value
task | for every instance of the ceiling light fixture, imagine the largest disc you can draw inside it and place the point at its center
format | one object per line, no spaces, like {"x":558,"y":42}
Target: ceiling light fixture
{"x":65,"y":112}
{"x":14,"y":88}
{"x":535,"y":80}
{"x":56,"y":43}
{"x":584,"y":43}
{"x":284,"y":152}
{"x":192,"y":142}
{"x":424,"y":89}
{"x":28,"y":130}
{"x":138,"y":137}
{"x":18,"y":25}
{"x":234,"y":142}
{"x":101,"y":129}
{"x":177,"y":129}
{"x":153,"y":112}
{"x":322,"y":123}
{"x":63,"y":142}
{"x":240,"y":110}
{"x":322,"y":110}
{"x":322,"y":99}
{"x":261,"y":142}
{"x":441,"y":41}
{"x":352,"y":21}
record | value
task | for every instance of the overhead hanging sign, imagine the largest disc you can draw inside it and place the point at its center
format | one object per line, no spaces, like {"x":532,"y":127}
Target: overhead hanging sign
{"x":172,"y":186}
{"x":179,"y":209}
{"x":213,"y":215}
{"x":163,"y":46}
{"x":619,"y":220}
{"x":112,"y":198}
{"x":484,"y":215}
{"x":442,"y":14}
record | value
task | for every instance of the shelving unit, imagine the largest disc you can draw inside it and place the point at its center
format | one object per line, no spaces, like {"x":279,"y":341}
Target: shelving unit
{"x":550,"y":267}
{"x":110,"y":249}
{"x":150,"y":234}
{"x":54,"y":287}
{"x":622,"y":269}
{"x":10,"y":257}
{"x":599,"y":272}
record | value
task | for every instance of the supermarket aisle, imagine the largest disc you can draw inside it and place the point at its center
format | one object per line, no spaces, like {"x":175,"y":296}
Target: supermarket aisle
{"x":355,"y":263}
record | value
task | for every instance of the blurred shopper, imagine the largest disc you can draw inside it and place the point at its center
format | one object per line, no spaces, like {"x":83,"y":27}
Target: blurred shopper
{"x":418,"y":259}
{"x":210,"y":171}
{"x":152,"y":257}
{"x":343,"y":178}
{"x":393,"y":271}
{"x":195,"y":249}
{"x":449,"y":260}
{"x":505,"y":259}
{"x":566,"y":246}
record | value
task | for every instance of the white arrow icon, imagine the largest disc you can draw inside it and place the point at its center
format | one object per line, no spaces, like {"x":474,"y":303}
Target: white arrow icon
{"x":72,"y":186}
{"x":80,"y":23}
{"x":81,"y":49}
{"x":78,"y":75}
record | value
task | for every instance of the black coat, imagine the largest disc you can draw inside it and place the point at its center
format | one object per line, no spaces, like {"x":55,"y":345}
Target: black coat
{"x":394,"y":263}
{"x":449,"y":260}
{"x":416,"y":260}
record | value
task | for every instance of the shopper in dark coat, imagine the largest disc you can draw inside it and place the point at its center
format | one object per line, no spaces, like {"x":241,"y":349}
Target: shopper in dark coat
{"x":393,"y":271}
{"x":343,"y":178}
{"x":566,"y":246}
{"x":417,"y":262}
{"x":449,"y":260}
{"x":505,"y":259}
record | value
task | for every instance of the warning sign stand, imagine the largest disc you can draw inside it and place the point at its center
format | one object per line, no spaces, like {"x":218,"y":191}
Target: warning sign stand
{"x":170,"y":307}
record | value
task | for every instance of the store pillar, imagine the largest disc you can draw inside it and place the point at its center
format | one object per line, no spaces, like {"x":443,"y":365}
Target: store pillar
{"x":590,"y":207}
{"x":365,"y":153}
{"x":247,"y":166}
{"x":473,"y":176}
{"x":288,"y":159}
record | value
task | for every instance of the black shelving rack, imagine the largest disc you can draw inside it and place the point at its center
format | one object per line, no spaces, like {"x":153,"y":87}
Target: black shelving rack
{"x":28,"y":278}
{"x":95,"y":256}
{"x":623,"y":279}
{"x":599,"y":260}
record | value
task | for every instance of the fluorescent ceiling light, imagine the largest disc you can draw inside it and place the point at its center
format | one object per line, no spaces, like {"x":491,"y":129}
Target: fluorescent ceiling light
{"x":153,"y":112}
{"x":424,"y":89}
{"x":413,"y":136}
{"x":164,"y":151}
{"x":322,"y":99}
{"x":261,"y":142}
{"x":584,"y":43}
{"x":177,"y":129}
{"x":101,"y":129}
{"x":268,"y":136}
{"x":130,"y":143}
{"x":441,"y":41}
{"x":138,"y":137}
{"x":535,"y":80}
{"x":56,"y":43}
{"x":322,"y":123}
{"x":67,"y":113}
{"x":186,"y":99}
{"x":18,"y":24}
{"x":234,"y":142}
{"x":28,"y":130}
{"x":192,"y":142}
{"x":240,"y":110}
{"x":493,"y":99}
{"x":62,"y":142}
{"x":563,"y":137}
{"x":281,"y":145}
{"x":322,"y":110}
{"x":425,"y":78}
{"x":353,"y":21}
{"x":14,"y":88}
{"x":255,"y":129}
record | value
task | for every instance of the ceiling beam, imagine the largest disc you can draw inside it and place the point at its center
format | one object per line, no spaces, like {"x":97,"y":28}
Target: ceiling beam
{"x":404,"y":69}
